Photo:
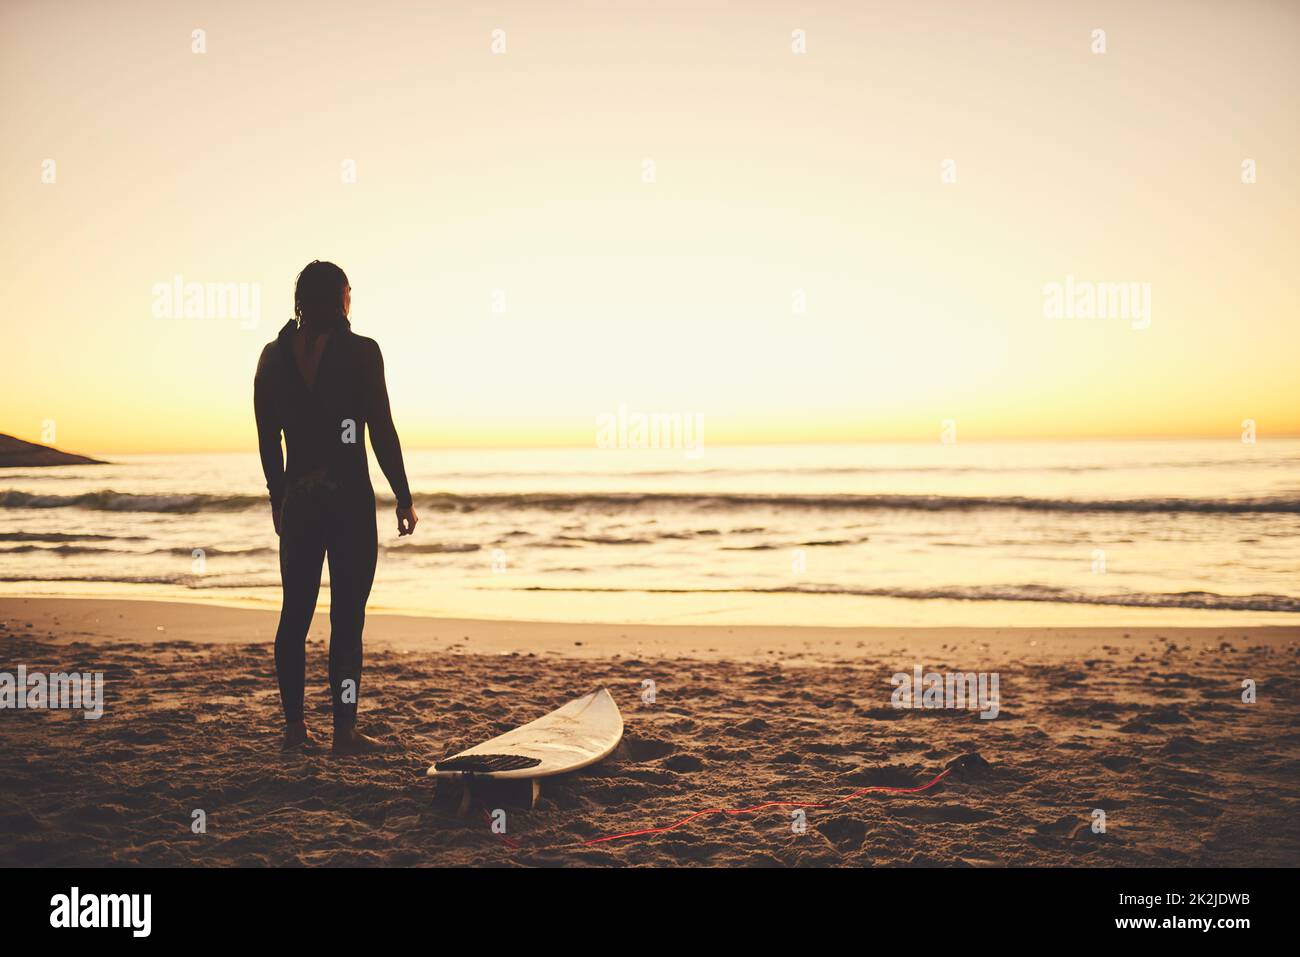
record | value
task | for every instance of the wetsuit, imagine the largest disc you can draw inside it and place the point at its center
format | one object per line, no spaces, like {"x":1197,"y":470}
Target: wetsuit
{"x":326,"y":501}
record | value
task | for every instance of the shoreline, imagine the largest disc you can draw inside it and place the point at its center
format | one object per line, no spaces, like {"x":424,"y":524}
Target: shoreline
{"x":102,"y":619}
{"x":735,"y":610}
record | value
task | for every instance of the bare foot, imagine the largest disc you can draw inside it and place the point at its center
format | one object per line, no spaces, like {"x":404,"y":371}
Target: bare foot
{"x":296,"y":737}
{"x":352,"y":741}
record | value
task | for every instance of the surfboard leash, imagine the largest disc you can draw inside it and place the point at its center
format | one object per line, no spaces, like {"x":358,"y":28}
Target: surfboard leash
{"x":811,"y":805}
{"x":767,"y":804}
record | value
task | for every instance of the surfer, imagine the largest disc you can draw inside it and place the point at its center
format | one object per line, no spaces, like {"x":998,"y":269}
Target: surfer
{"x":322,"y":385}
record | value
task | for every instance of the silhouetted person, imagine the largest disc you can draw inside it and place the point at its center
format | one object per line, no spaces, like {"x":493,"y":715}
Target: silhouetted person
{"x":322,"y":385}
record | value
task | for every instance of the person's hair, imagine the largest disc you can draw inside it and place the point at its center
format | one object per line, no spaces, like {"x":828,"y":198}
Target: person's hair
{"x":318,"y":294}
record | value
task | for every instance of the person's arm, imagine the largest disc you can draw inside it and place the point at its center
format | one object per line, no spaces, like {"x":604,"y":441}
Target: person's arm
{"x":268,"y":432}
{"x":383,"y":434}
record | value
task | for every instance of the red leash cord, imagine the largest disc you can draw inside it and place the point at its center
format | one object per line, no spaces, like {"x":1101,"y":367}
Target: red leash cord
{"x":513,"y":845}
{"x":759,"y":807}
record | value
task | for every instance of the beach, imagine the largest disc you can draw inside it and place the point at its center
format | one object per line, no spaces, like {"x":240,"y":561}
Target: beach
{"x":1111,"y":746}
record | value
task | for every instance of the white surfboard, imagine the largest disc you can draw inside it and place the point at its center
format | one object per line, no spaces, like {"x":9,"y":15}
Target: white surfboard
{"x":571,"y":737}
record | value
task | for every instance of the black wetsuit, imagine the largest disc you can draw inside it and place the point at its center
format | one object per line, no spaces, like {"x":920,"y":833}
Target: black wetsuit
{"x":326,"y":501}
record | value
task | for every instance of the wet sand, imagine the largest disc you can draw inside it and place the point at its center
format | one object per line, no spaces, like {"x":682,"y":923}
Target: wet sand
{"x":1144,"y":725}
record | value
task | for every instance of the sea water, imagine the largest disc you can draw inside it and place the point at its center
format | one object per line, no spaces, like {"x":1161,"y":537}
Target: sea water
{"x":1014,"y":533}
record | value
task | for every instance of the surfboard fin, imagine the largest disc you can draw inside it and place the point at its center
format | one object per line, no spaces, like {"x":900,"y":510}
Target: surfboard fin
{"x":487,"y":763}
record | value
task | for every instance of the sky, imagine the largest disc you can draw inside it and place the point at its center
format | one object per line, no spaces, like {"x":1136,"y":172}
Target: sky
{"x":663,"y":207}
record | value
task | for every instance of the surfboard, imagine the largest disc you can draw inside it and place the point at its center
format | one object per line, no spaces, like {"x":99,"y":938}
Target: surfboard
{"x":571,"y":737}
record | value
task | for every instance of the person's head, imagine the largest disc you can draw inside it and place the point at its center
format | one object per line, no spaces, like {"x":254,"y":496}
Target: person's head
{"x":322,"y":295}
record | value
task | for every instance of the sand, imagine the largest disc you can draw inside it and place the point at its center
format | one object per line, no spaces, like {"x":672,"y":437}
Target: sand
{"x":1144,"y":725}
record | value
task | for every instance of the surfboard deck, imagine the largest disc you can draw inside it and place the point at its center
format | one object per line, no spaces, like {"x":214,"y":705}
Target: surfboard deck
{"x":570,"y":738}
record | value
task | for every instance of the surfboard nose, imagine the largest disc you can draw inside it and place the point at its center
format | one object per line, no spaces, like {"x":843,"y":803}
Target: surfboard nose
{"x":579,"y":733}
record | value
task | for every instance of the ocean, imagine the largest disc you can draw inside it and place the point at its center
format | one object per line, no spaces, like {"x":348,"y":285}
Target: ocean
{"x":1012,"y":533}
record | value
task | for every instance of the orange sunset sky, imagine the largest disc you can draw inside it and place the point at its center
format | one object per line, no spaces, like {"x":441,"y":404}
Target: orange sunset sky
{"x":523,"y":276}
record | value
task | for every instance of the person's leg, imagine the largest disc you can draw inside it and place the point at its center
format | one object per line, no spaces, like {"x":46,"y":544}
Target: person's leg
{"x":301,"y":556}
{"x":353,"y":549}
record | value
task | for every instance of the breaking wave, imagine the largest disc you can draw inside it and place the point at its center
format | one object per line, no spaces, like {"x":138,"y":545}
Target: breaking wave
{"x":1037,"y":593}
{"x":112,"y":501}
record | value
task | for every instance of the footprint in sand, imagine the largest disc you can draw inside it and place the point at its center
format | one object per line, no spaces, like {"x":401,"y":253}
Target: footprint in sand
{"x":684,"y":763}
{"x":945,"y":814}
{"x":645,"y":749}
{"x":1118,"y":762}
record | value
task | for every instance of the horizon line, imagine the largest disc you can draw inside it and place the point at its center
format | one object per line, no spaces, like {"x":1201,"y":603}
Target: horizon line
{"x":775,"y":443}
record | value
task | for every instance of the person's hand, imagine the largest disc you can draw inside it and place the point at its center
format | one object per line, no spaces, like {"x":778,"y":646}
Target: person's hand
{"x":406,"y":519}
{"x":275,"y":519}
